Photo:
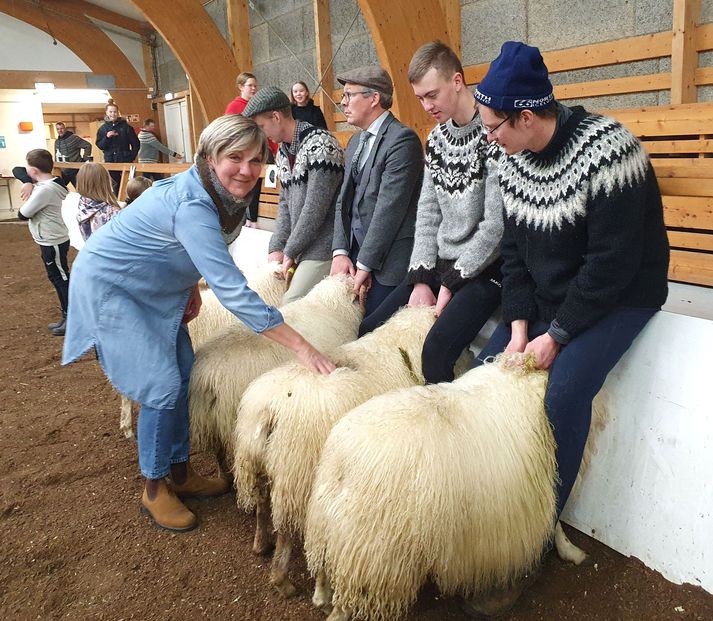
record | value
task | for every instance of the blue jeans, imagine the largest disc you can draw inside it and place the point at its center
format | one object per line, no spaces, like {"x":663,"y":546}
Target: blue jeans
{"x":163,"y":434}
{"x":576,"y":376}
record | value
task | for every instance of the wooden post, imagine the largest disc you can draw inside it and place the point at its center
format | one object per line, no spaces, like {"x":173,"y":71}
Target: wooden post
{"x":684,"y":55}
{"x":239,"y":33}
{"x":197,"y":119}
{"x":451,"y":11}
{"x":323,"y":35}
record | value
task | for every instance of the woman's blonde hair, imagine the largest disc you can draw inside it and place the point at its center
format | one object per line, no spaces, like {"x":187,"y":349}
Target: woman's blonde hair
{"x":93,"y":181}
{"x":232,"y":133}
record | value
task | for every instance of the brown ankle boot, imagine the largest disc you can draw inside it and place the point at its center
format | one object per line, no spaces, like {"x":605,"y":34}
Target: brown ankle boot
{"x":196,"y":485}
{"x":167,"y":511}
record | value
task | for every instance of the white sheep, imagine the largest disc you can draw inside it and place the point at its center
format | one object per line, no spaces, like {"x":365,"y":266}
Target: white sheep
{"x":328,"y":316}
{"x":265,"y":280}
{"x":455,"y":482}
{"x":286,"y":415}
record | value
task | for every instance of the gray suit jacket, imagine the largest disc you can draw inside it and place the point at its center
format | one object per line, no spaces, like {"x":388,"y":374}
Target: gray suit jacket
{"x":386,"y":199}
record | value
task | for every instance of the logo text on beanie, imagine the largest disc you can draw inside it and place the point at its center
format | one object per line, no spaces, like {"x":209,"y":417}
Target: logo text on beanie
{"x":533,"y":103}
{"x":482,"y":98}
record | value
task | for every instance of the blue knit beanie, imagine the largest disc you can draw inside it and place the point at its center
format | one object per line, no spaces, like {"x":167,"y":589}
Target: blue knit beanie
{"x":517,"y":80}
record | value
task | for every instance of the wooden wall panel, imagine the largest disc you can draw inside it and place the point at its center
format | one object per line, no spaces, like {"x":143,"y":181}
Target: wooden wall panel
{"x":200,"y":48}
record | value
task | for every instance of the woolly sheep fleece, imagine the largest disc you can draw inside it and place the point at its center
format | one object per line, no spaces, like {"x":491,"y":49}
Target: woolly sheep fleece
{"x":287,"y":413}
{"x":452,"y":481}
{"x":328,"y":316}
{"x":263,"y":280}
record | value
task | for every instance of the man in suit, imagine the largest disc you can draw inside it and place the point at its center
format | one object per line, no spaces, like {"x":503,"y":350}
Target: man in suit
{"x":376,"y":207}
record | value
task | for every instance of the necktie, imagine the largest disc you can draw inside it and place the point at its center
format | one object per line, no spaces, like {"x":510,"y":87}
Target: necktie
{"x":357,"y":154}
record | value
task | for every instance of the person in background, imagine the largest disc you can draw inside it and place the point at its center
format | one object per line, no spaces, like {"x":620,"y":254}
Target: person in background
{"x":136,"y":187}
{"x":43,"y":209}
{"x":150,"y":148}
{"x":310,"y":166}
{"x":70,"y":148}
{"x":304,"y":108}
{"x":246,"y":83}
{"x":135,"y":288}
{"x":118,"y":140}
{"x":97,"y":203}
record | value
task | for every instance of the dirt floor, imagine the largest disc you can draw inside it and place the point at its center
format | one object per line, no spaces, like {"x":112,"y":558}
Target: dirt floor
{"x":74,"y":545}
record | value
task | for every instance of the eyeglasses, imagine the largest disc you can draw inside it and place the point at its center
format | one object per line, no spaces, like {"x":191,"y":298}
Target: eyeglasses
{"x":347,"y":95}
{"x":490,"y":132}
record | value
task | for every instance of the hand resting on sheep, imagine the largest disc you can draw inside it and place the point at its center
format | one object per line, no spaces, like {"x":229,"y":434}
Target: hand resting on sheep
{"x":286,"y":415}
{"x":452,"y":482}
{"x":265,"y":280}
{"x":326,"y":317}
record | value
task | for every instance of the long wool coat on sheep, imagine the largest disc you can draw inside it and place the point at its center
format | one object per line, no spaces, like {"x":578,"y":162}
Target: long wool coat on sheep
{"x":132,"y":280}
{"x":449,"y":481}
{"x":287,"y":414}
{"x":328,"y":316}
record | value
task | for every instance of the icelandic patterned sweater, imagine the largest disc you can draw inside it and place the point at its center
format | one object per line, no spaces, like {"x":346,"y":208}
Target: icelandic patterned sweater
{"x":150,"y":147}
{"x":459,"y":222}
{"x":308,"y":195}
{"x":584,"y":228}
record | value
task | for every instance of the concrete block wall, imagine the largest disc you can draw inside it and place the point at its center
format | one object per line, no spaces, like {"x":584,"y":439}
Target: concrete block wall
{"x":485,"y":25}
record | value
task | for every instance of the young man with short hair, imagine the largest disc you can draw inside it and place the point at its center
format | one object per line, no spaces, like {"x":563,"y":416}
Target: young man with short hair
{"x":43,"y":209}
{"x":310,"y":165}
{"x":585,"y":249}
{"x":70,"y":148}
{"x":455,"y":263}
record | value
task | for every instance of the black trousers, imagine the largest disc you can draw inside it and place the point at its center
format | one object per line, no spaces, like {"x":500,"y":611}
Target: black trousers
{"x":464,"y":316}
{"x":55,"y":260}
{"x":69,"y":176}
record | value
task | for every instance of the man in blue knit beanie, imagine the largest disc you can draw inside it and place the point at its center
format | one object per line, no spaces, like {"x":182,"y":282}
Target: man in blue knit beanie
{"x":585,"y":252}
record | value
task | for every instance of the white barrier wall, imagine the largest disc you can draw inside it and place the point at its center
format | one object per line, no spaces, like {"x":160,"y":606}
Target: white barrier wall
{"x":648,"y":491}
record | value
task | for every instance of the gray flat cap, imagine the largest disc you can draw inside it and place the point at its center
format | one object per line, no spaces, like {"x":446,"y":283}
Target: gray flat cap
{"x":266,"y":100}
{"x":372,"y":77}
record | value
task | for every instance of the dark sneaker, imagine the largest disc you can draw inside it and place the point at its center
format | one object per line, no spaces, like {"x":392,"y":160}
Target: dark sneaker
{"x":59,"y":329}
{"x":56,"y":324}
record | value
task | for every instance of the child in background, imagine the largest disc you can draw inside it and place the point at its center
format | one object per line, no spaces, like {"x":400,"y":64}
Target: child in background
{"x":136,"y":187}
{"x":43,"y":209}
{"x":97,"y":203}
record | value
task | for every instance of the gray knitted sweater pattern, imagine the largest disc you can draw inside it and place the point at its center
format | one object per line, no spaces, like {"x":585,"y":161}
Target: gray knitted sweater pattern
{"x":459,"y":221}
{"x":308,"y":195}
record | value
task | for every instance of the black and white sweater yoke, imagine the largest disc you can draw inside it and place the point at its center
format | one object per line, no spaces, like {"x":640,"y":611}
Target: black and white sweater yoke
{"x":584,"y":228}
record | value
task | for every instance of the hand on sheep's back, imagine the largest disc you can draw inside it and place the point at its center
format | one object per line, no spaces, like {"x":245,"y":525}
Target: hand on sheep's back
{"x":314,"y":360}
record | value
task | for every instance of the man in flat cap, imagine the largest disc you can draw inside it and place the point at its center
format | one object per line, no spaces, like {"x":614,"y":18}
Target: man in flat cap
{"x":310,"y":165}
{"x":376,"y":207}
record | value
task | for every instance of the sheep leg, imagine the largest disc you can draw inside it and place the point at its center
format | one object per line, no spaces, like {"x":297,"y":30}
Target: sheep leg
{"x":566,"y":550}
{"x":262,"y":543}
{"x":125,"y":420}
{"x":278,"y":571}
{"x":339,"y":614}
{"x":224,"y":469}
{"x":322,"y":597}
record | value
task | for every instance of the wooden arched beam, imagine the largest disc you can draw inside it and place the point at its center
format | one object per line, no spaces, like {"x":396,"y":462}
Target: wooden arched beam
{"x":399,"y":28}
{"x":92,"y":46}
{"x":200,"y":48}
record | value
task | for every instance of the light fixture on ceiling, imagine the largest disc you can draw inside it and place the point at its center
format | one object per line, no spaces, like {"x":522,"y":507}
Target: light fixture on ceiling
{"x":44,"y":86}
